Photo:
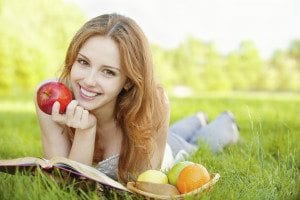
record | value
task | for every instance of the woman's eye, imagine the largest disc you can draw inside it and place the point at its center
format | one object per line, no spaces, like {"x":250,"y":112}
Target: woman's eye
{"x":108,"y":72}
{"x":82,"y":62}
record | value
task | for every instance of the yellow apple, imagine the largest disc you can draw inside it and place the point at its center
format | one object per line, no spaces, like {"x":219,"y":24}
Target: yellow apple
{"x":153,"y":176}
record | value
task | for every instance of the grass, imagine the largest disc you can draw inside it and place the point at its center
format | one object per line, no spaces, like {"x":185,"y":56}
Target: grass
{"x":265,"y":165}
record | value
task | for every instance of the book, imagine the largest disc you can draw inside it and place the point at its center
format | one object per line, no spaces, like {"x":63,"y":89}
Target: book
{"x":62,"y":164}
{"x":85,"y":172}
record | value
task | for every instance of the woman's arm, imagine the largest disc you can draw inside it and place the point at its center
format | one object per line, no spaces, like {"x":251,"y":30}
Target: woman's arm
{"x":82,"y":149}
{"x":56,"y":141}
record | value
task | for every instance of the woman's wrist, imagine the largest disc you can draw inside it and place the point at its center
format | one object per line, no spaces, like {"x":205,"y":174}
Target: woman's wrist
{"x":91,"y":130}
{"x":82,"y":149}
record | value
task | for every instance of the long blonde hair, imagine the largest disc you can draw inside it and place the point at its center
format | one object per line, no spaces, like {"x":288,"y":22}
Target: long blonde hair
{"x":140,"y":109}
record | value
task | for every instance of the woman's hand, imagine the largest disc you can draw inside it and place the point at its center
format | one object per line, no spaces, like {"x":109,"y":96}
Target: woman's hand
{"x":75,"y":116}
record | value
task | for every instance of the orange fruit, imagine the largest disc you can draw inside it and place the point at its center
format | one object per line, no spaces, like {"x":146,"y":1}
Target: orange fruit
{"x":192,"y":177}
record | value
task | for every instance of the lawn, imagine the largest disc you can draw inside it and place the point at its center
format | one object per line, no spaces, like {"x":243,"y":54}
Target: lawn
{"x":264,"y":165}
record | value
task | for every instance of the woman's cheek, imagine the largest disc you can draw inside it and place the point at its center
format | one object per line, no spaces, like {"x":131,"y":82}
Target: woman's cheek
{"x":76,"y":72}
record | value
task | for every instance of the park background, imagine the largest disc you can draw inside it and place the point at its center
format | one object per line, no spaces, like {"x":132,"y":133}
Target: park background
{"x":237,"y":55}
{"x":255,"y":48}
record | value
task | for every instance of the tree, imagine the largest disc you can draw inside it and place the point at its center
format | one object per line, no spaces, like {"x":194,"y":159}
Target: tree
{"x":245,"y":67}
{"x":34,"y":38}
{"x":286,"y":74}
{"x":294,"y":53}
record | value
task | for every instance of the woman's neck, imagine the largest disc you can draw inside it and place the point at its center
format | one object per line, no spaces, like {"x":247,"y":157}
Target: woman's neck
{"x":104,"y":114}
{"x":109,"y":139}
{"x":107,"y":128}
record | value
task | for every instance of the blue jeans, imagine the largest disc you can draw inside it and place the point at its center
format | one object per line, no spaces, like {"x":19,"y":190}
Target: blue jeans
{"x":185,"y":134}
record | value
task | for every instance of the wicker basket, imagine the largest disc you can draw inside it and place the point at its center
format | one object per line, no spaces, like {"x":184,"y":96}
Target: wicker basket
{"x":214,"y":178}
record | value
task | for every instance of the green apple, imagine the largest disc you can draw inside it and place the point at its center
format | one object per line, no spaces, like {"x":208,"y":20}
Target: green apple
{"x":175,"y":171}
{"x":153,"y":176}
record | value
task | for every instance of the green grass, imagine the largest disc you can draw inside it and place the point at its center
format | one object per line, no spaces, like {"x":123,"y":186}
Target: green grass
{"x":265,"y":165}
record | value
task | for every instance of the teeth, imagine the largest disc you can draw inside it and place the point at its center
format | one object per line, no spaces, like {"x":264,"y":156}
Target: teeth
{"x":87,"y":93}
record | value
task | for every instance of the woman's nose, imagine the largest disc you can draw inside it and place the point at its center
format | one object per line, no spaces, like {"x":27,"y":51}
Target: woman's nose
{"x":90,"y":78}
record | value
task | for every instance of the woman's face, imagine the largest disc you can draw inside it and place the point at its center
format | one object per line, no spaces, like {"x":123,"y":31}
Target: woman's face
{"x":96,"y":75}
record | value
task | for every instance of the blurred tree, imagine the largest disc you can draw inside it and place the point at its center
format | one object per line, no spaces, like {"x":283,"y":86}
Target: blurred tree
{"x":162,"y":59}
{"x":245,"y":67}
{"x":294,"y":52}
{"x":34,"y":38}
{"x":35,"y":35}
{"x":199,"y":66}
{"x":214,"y":75}
{"x":187,"y":61}
{"x":286,"y":73}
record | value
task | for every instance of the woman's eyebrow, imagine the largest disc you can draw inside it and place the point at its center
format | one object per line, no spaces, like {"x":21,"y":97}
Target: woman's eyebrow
{"x":84,"y":56}
{"x":111,"y":67}
{"x":107,"y":66}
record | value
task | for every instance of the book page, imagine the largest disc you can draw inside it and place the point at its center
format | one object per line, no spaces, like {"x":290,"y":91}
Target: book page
{"x":87,"y":171}
{"x":25,"y":161}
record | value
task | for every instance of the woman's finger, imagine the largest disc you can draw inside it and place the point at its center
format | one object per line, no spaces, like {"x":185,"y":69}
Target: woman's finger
{"x":85,"y":118}
{"x":71,"y":110}
{"x":55,"y":113}
{"x":78,"y":115}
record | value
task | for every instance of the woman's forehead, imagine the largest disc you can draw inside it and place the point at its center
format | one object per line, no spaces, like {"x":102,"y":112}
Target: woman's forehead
{"x":102,"y":50}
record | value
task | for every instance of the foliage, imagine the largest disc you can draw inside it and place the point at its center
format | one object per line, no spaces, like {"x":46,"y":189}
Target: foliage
{"x":198,"y":65}
{"x":33,"y":40}
{"x":35,"y":35}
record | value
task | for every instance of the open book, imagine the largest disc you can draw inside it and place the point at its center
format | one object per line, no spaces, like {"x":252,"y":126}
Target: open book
{"x":62,"y":164}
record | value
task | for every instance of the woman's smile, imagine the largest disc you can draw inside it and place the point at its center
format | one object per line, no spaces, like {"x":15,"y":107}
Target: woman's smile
{"x":87,"y":94}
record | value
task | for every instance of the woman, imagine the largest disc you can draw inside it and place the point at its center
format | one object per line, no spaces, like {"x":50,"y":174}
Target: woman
{"x":119,"y":117}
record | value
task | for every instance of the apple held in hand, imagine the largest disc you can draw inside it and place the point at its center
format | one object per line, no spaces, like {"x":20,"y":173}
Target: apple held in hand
{"x":53,"y":91}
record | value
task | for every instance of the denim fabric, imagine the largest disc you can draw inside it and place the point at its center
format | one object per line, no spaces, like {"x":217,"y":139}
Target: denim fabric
{"x":185,"y":134}
{"x":220,"y":132}
{"x":177,"y":144}
{"x":187,"y":128}
{"x":181,"y":133}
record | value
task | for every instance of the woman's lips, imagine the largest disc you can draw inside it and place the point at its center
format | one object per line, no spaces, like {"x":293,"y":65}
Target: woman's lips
{"x":87,"y":94}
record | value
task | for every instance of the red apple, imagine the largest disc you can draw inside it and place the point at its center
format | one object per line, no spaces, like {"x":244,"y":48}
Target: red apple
{"x":50,"y":92}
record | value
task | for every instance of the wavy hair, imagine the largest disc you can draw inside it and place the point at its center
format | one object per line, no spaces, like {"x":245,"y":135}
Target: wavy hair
{"x":140,"y":109}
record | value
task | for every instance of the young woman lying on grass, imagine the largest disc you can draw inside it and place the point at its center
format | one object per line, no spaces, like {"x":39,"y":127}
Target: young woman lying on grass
{"x":119,"y":118}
